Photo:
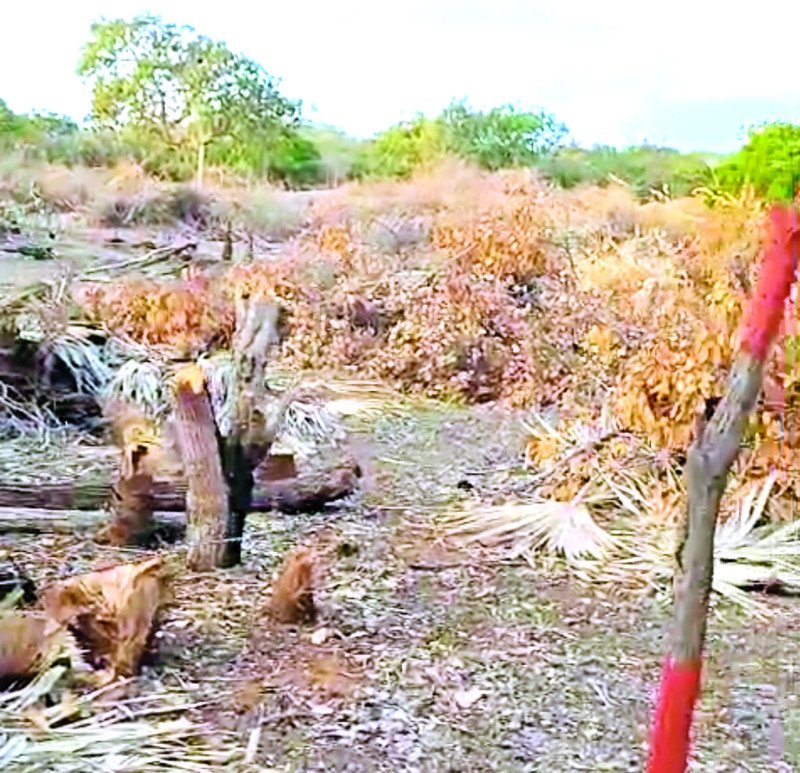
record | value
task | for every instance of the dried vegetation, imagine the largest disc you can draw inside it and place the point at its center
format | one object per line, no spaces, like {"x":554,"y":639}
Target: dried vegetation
{"x":607,"y":324}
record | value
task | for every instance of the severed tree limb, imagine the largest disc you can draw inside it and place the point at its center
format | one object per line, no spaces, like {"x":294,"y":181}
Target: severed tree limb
{"x":708,"y":464}
{"x":305,"y":494}
{"x":43,"y":515}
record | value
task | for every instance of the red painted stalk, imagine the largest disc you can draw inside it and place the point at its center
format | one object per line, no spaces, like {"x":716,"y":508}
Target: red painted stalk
{"x":767,"y":306}
{"x":680,"y":685}
{"x":709,"y":461}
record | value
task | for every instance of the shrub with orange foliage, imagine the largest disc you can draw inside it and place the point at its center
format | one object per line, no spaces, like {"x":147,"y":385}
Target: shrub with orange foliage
{"x":186,"y":313}
{"x":508,"y":244}
{"x":661,"y":388}
{"x":458,"y":336}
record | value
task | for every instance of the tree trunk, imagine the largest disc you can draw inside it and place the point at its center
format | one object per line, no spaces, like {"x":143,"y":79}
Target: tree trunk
{"x":207,"y":510}
{"x":239,"y":475}
{"x":227,"y":245}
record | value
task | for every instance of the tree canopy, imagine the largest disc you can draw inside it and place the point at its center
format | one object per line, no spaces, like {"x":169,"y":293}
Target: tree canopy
{"x":149,"y":76}
{"x":769,"y":162}
{"x":502,"y":137}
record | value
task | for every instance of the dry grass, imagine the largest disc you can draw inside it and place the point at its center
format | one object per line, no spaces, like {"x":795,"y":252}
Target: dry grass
{"x":45,"y":728}
{"x":124,"y":195}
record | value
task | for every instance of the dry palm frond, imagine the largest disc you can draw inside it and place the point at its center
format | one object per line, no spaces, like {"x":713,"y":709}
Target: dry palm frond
{"x":557,"y":527}
{"x":113,"y":611}
{"x":20,"y":417}
{"x":307,"y":425}
{"x":745,"y":555}
{"x":552,"y":445}
{"x":139,"y":383}
{"x":31,"y":643}
{"x":83,"y":358}
{"x":95,"y":733}
{"x":640,"y":561}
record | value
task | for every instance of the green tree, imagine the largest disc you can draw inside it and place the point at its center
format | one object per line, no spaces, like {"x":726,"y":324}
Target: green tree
{"x":339,"y":154}
{"x":645,"y":168}
{"x":403,"y":148}
{"x":157,"y":78}
{"x":502,"y":137}
{"x":7,"y":119}
{"x":770,"y":162}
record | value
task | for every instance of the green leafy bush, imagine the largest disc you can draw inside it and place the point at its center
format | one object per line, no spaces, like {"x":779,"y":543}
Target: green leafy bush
{"x":340,"y":155}
{"x":501,"y":138}
{"x":645,"y":168}
{"x":769,"y":162}
{"x":404,"y":148}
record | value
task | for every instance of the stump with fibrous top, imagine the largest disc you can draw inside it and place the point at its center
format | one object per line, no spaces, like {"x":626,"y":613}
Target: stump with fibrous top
{"x":218,"y":463}
{"x":209,"y":524}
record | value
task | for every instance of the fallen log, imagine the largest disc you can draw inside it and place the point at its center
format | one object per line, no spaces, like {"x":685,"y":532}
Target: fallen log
{"x":31,"y":520}
{"x":78,"y":496}
{"x":305,"y":494}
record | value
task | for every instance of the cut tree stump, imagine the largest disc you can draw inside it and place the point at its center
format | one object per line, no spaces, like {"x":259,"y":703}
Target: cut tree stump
{"x":131,"y":504}
{"x":207,"y":510}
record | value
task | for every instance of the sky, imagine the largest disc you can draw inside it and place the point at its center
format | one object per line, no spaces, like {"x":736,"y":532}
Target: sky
{"x":691,"y":74}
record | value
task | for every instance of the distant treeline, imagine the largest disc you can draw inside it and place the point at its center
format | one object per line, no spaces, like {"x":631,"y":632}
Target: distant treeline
{"x":177,"y":103}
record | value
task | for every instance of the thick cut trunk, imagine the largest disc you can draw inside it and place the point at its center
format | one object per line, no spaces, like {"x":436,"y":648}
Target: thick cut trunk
{"x":207,"y":509}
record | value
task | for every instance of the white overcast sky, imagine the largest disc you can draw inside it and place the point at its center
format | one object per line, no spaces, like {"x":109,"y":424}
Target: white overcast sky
{"x":688,"y":73}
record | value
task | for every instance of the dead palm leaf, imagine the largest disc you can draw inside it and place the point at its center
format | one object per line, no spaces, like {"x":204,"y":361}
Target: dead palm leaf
{"x":563,"y":528}
{"x":113,"y":610}
{"x":30,"y":643}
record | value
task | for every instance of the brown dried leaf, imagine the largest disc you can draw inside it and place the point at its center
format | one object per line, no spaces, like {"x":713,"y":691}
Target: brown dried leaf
{"x":31,"y":642}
